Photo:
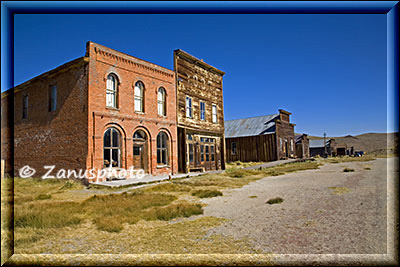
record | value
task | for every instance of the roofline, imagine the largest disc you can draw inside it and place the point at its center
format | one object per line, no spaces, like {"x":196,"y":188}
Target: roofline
{"x":96,"y":44}
{"x":199,"y":61}
{"x":253,"y":117}
{"x":73,"y":63}
{"x":284,"y":111}
{"x":250,"y":135}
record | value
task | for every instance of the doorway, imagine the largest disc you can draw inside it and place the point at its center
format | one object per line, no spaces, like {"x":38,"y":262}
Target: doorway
{"x":140,"y":150}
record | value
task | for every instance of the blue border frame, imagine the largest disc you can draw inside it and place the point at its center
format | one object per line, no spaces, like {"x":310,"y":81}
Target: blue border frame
{"x":391,"y":8}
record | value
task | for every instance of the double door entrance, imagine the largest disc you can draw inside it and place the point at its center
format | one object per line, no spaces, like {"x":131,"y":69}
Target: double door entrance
{"x":202,"y":154}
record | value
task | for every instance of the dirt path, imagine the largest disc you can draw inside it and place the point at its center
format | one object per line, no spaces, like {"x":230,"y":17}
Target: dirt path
{"x":324,"y":211}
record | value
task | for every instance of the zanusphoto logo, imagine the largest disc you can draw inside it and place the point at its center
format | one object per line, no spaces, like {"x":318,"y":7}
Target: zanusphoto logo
{"x":27,"y":171}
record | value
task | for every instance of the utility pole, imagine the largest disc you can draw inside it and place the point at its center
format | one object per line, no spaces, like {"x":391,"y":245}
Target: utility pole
{"x":325,"y":154}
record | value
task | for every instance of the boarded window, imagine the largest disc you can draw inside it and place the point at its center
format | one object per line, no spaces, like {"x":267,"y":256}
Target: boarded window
{"x":139,"y":96}
{"x":25,"y":107}
{"x":188,"y":107}
{"x":214,"y":113}
{"x":53,"y":98}
{"x":202,"y":110}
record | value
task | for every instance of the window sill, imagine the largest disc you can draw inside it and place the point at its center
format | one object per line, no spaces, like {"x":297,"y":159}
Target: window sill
{"x":140,"y":112}
{"x":111,"y":108}
{"x":162,"y":166}
{"x":162,"y":116}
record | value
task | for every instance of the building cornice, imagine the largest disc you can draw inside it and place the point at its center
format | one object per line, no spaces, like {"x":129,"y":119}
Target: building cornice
{"x":197,"y":61}
{"x":132,"y":61}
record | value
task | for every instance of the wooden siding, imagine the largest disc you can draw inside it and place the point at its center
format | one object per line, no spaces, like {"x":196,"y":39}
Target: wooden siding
{"x":252,"y":148}
{"x":201,"y":82}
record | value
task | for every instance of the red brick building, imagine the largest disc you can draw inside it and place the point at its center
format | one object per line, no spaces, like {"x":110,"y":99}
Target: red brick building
{"x":104,"y":109}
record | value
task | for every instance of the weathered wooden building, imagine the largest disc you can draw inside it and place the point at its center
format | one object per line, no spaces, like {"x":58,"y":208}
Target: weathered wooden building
{"x":302,"y":146}
{"x":200,"y":114}
{"x":263,"y":138}
{"x":317,"y":147}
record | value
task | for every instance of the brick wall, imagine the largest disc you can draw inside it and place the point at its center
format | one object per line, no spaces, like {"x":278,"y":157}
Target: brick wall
{"x":129,"y":70}
{"x":55,"y":138}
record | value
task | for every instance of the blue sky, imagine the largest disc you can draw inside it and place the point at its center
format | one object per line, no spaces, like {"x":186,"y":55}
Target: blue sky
{"x":328,"y":70}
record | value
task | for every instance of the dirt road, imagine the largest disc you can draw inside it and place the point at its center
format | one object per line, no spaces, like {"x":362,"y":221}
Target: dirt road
{"x":324,"y":211}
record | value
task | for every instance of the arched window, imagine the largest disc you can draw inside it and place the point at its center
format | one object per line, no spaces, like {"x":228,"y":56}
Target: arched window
{"x":161,"y":101}
{"x":112,"y":91}
{"x":112,"y":148}
{"x":162,"y":149}
{"x":139,"y":93}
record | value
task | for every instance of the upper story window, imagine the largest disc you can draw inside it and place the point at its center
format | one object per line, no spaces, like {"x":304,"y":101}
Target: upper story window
{"x":188,"y":107}
{"x":25,"y":107}
{"x":53,"y":98}
{"x":161,"y":102}
{"x":214,"y":113}
{"x":139,"y":99}
{"x":202,"y":110}
{"x":112,"y":91}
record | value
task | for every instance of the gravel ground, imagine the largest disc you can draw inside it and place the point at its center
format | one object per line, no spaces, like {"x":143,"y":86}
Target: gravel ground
{"x":314,"y":218}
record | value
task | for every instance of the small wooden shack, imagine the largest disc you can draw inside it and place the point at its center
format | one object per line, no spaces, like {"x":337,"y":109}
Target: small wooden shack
{"x":302,"y":146}
{"x":263,"y":138}
{"x":317,"y":147}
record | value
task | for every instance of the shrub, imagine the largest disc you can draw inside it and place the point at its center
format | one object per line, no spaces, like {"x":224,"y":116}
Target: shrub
{"x":206,"y":193}
{"x":173,"y":211}
{"x":169,"y":187}
{"x":276,"y":200}
{"x":348,"y":170}
{"x":43,"y":196}
{"x":47,"y":215}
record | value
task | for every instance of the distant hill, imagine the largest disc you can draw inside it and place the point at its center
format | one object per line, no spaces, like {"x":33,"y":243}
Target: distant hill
{"x":369,"y":142}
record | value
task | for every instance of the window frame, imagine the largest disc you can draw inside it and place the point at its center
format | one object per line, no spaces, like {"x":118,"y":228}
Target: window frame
{"x":233,"y":148}
{"x":189,"y":108}
{"x":112,"y":147}
{"x":214,"y":115}
{"x":25,"y":105}
{"x":140,"y":98}
{"x":202,"y":111}
{"x":112,"y":92}
{"x":163,"y":160}
{"x":162,"y":102}
{"x":53,"y":98}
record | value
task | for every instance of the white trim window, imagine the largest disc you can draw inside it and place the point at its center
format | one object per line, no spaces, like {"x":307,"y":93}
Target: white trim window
{"x":161,"y":102}
{"x":139,"y":92}
{"x":188,"y":107}
{"x":111,"y":91}
{"x":214,"y":113}
{"x":202,"y":110}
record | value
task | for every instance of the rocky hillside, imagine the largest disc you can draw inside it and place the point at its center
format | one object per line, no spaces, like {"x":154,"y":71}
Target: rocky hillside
{"x":369,"y":142}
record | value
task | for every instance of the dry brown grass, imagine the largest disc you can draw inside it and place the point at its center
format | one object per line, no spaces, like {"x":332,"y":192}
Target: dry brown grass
{"x":72,"y":210}
{"x":239,"y":164}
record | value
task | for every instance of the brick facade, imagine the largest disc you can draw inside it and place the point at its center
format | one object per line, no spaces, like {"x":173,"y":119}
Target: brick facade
{"x":72,"y":136}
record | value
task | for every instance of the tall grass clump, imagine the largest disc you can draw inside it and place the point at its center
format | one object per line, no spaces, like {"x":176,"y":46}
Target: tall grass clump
{"x":206,"y":193}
